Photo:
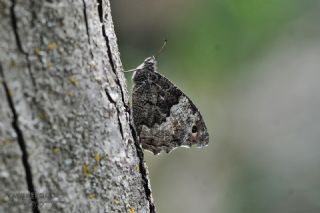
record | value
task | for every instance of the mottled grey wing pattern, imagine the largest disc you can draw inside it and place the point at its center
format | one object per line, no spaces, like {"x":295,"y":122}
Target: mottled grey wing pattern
{"x":164,"y":116}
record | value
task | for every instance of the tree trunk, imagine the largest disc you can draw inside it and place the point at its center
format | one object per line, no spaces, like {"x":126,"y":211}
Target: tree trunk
{"x":66,"y":139}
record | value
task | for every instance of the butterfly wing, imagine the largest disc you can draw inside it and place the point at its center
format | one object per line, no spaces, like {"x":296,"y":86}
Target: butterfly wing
{"x":164,"y":116}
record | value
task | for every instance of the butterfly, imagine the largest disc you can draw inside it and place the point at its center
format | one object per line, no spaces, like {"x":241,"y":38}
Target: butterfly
{"x":164,"y":117}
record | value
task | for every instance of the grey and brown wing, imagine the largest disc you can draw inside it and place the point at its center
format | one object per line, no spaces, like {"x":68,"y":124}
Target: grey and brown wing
{"x":164,"y":116}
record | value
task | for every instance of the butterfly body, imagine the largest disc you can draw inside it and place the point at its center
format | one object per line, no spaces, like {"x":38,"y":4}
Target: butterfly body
{"x":164,"y":116}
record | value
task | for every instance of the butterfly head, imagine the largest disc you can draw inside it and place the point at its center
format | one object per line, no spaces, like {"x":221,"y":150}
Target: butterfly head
{"x":149,"y":64}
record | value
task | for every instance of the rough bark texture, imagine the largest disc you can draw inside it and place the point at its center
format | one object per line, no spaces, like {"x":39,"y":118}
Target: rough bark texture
{"x":65,"y":130}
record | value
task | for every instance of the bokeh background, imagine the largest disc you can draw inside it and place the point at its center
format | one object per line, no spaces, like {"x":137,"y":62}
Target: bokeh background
{"x":253,"y":69}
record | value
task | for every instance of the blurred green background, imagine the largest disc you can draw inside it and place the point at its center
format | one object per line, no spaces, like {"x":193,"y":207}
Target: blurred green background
{"x":253,"y":69}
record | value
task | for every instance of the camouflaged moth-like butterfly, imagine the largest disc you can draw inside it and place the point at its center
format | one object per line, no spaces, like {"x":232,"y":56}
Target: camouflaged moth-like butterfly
{"x":164,"y":116}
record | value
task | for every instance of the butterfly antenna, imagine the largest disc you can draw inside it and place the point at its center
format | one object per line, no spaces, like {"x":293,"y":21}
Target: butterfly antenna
{"x":160,"y":50}
{"x":156,"y":55}
{"x":132,"y":70}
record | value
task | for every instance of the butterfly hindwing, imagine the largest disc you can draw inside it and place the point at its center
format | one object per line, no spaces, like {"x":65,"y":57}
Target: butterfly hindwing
{"x":164,"y":116}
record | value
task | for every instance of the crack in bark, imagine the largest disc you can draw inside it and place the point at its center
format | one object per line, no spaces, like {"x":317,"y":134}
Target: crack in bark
{"x":22,"y":145}
{"x":108,"y":49}
{"x":118,"y":112}
{"x":100,"y":11}
{"x":86,"y":19}
{"x":120,"y":124}
{"x":142,"y":168}
{"x":18,"y":41}
{"x":14,"y":25}
{"x":112,"y":63}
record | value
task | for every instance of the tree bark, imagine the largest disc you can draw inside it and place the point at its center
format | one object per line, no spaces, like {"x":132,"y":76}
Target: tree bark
{"x":66,"y":136}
